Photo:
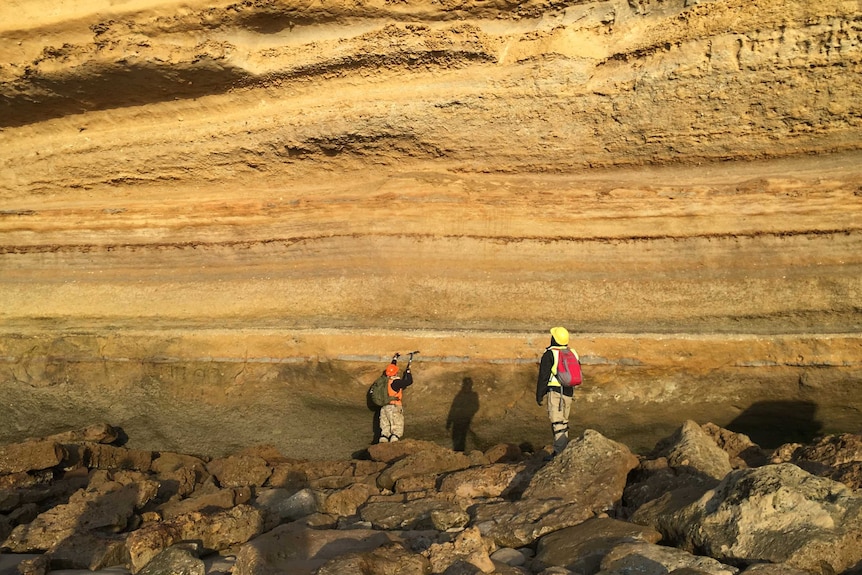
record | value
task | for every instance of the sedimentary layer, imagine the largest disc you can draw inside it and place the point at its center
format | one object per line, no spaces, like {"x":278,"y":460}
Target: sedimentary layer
{"x":197,"y":179}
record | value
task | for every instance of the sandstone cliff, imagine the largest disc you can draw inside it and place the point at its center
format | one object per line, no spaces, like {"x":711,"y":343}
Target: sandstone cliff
{"x":218,"y":218}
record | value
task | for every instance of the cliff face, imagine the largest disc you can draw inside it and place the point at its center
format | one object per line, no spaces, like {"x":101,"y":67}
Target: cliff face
{"x":217,"y":219}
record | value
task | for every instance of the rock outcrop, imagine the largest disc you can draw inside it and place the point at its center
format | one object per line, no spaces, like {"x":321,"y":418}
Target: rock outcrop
{"x":218,"y":218}
{"x":772,"y":518}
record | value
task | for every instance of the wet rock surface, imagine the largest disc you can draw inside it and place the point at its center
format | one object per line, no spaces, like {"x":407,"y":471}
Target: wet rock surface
{"x":769,"y":518}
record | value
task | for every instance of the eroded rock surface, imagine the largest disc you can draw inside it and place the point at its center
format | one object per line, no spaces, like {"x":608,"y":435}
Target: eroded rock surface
{"x":217,"y":218}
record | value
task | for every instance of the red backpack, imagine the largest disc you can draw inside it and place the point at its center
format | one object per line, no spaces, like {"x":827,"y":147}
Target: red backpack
{"x":568,"y":368}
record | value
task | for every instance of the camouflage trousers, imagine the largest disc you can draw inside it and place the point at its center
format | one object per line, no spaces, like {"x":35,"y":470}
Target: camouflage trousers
{"x":391,"y":423}
{"x":559,"y":406}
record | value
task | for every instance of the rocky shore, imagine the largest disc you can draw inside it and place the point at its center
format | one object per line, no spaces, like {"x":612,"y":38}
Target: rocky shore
{"x":704,"y":501}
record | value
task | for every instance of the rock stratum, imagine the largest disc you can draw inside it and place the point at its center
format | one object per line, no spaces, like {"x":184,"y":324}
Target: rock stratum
{"x":218,"y":219}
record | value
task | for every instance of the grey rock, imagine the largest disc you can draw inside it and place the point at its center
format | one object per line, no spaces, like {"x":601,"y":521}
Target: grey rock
{"x":741,"y":450}
{"x":773,"y":569}
{"x":582,"y":547}
{"x":650,"y":559}
{"x":692,"y":447}
{"x":91,"y":551}
{"x":509,"y":556}
{"x":776,"y":513}
{"x":344,"y":502}
{"x":296,"y":548}
{"x":215,"y":530}
{"x":387,"y":559}
{"x":653,"y":481}
{"x":395,"y":513}
{"x":426,"y":462}
{"x":496,"y":480}
{"x":181,"y":559}
{"x":520,"y":523}
{"x":37,"y":565}
{"x":838,"y":457}
{"x":449,"y":518}
{"x":281,"y":506}
{"x":205,"y":499}
{"x":466,"y":553}
{"x":591,"y":471}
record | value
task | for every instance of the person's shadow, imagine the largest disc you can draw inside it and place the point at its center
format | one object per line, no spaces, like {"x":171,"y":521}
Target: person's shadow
{"x":464,"y":407}
{"x":771,"y":424}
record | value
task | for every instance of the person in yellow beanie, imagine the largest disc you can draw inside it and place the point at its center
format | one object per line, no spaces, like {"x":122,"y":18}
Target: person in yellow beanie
{"x":559,"y":396}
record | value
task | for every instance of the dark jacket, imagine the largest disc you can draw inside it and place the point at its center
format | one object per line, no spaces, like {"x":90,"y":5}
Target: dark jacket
{"x":403,"y":382}
{"x":546,"y":364}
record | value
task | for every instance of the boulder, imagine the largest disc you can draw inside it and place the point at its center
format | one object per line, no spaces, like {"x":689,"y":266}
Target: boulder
{"x":23,"y":480}
{"x":281,"y":505}
{"x":521,"y":523}
{"x":296,"y":475}
{"x":92,"y":551}
{"x":509,"y":556}
{"x":146,"y":542}
{"x":468,"y":547}
{"x":93,"y":455}
{"x":776,"y":513}
{"x":693,"y":448}
{"x":395,"y":513}
{"x":496,"y":480}
{"x":37,"y":565}
{"x":773,"y":569}
{"x":344,"y":502}
{"x":833,"y":450}
{"x":391,"y":452}
{"x":168,"y":461}
{"x":504,"y":453}
{"x":299,"y":550}
{"x":650,"y":559}
{"x":240,"y":471}
{"x":30,"y":456}
{"x":838,"y":457}
{"x":42,"y":491}
{"x":181,"y":482}
{"x":9,"y":500}
{"x":416,"y":484}
{"x":180,"y":559}
{"x":106,"y":507}
{"x":665,"y":505}
{"x":655,"y":479}
{"x":591,"y":471}
{"x":452,"y":517}
{"x":741,"y":450}
{"x":215,"y":530}
{"x":269,"y":453}
{"x":582,"y":547}
{"x":426,"y":462}
{"x":388,"y":559}
{"x":203,"y":500}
